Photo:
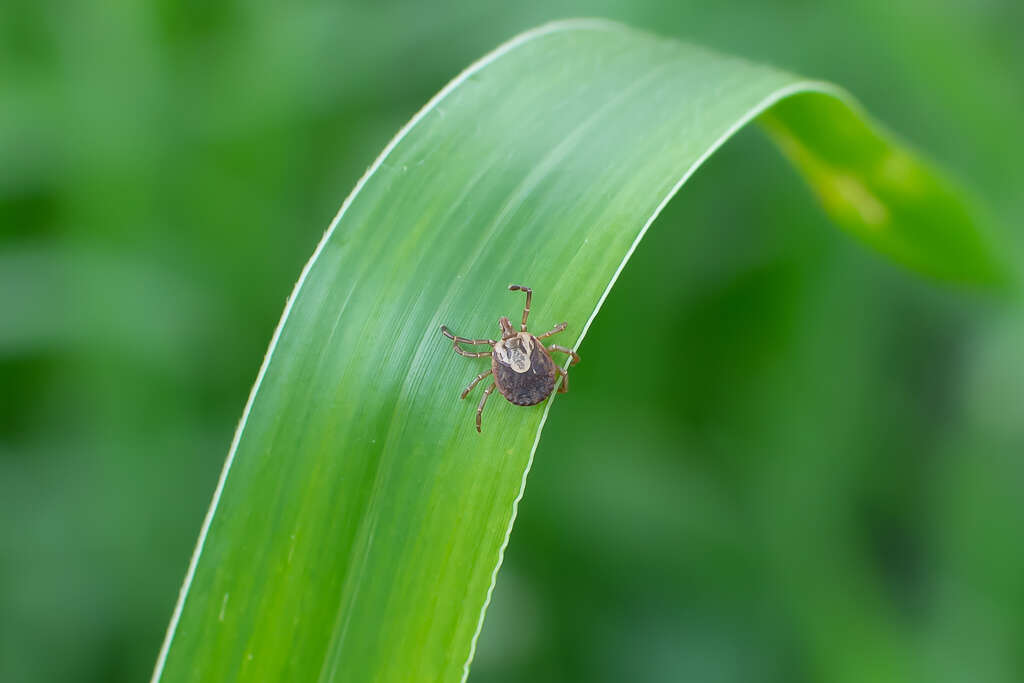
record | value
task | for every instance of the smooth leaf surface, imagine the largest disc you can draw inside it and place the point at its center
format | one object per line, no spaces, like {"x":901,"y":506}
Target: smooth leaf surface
{"x":360,"y":520}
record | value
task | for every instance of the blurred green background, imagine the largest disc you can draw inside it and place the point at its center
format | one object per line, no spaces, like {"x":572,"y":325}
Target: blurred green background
{"x":783,"y":459}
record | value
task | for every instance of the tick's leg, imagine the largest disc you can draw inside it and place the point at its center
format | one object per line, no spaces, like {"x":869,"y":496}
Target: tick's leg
{"x":554,"y":330}
{"x":475,"y":382}
{"x":483,"y":400}
{"x":529,"y":296}
{"x":565,"y":380}
{"x":470,"y":354}
{"x":462,"y":340}
{"x":558,"y":347}
{"x":456,"y":340}
{"x":562,"y":371}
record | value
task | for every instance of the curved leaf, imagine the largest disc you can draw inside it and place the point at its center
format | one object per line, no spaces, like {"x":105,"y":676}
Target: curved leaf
{"x":360,"y":519}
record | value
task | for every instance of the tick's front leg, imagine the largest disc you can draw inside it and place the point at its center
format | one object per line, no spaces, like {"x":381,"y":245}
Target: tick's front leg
{"x":529,"y":296}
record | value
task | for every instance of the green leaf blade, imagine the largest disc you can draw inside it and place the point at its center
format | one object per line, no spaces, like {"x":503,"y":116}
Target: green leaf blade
{"x":359,"y":523}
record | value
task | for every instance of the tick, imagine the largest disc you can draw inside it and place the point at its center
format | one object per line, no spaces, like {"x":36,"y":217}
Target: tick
{"x":523,"y":370}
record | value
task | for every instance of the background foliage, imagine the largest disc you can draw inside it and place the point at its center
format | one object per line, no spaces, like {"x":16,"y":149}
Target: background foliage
{"x":811,"y":471}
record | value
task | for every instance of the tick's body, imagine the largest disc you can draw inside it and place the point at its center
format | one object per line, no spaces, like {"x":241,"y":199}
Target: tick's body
{"x":523,"y":370}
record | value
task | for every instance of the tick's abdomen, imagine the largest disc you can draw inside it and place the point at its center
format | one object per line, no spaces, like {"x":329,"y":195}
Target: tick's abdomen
{"x":530,"y":387}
